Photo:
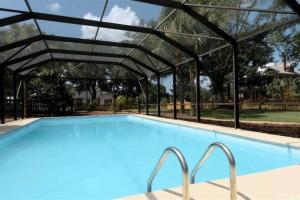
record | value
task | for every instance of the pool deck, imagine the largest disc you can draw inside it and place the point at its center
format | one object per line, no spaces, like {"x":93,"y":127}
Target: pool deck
{"x":282,"y":183}
{"x":251,"y":135}
{"x":4,"y":128}
{"x":278,"y":184}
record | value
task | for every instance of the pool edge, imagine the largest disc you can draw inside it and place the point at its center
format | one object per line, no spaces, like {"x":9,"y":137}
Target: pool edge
{"x":283,"y":141}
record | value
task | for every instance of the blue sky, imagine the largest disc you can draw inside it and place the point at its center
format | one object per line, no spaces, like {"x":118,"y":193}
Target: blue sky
{"x":83,"y":8}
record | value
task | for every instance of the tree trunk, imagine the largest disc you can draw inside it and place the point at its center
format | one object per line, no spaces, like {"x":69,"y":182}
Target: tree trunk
{"x":93,"y":91}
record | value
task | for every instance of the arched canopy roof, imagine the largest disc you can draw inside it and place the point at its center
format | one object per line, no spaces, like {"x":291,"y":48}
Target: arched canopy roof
{"x":141,"y":45}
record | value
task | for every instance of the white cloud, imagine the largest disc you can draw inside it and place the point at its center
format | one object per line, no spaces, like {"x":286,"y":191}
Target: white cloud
{"x":54,"y":7}
{"x":117,"y":15}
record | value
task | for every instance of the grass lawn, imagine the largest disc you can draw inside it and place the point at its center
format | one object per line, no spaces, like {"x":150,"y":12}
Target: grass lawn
{"x":249,"y":115}
{"x":255,"y":115}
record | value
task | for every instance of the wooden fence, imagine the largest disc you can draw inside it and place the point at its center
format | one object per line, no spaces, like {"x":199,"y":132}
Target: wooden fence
{"x":276,"y":106}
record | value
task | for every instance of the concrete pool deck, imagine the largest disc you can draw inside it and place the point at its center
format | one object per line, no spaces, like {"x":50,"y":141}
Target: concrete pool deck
{"x":251,"y":135}
{"x":276,"y":184}
{"x":282,"y":183}
{"x":4,"y":128}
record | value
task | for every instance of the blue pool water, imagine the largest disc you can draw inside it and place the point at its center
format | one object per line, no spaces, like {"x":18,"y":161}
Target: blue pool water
{"x":112,"y":156}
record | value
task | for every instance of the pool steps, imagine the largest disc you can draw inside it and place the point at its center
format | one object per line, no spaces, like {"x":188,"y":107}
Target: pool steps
{"x":184,"y":168}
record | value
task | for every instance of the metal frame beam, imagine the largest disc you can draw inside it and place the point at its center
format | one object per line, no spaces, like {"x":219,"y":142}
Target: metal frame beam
{"x":98,"y":28}
{"x":17,"y":53}
{"x":198,"y":102}
{"x":85,"y":41}
{"x":20,"y":43}
{"x":294,"y":5}
{"x":188,"y":10}
{"x":240,"y":9}
{"x":236,"y":86}
{"x":147,"y":95}
{"x":248,"y":37}
{"x":72,"y":20}
{"x":79,"y":21}
{"x":2,"y":94}
{"x":176,"y":44}
{"x":158,"y":95}
{"x":37,"y":25}
{"x":78,"y":61}
{"x":192,"y":35}
{"x":87,"y":53}
{"x":174,"y":94}
{"x":81,"y":78}
{"x":15,"y":95}
{"x":32,"y":66}
{"x":15,"y":19}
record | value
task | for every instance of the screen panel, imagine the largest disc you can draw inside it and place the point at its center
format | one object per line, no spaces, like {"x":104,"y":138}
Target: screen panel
{"x":19,"y":31}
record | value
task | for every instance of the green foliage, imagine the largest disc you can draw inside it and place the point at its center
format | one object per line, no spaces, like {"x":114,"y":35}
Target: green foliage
{"x":52,"y":91}
{"x":123,"y":102}
{"x":283,"y":88}
{"x":92,"y":106}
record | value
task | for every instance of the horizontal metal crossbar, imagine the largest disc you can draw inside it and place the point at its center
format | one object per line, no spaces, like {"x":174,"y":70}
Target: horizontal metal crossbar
{"x":84,"y":41}
{"x":73,"y":52}
{"x":39,"y":64}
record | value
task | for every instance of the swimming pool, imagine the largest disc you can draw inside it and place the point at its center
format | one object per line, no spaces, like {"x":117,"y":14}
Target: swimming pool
{"x":106,"y":157}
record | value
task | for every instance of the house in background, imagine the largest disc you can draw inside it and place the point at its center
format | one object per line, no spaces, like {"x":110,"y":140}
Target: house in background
{"x":270,"y":71}
{"x":280,"y":69}
{"x":103,"y":98}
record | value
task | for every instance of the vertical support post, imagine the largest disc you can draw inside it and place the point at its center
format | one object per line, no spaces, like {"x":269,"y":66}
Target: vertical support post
{"x":114,"y":99}
{"x":158,"y":95}
{"x":236,"y":86}
{"x":198,"y":108}
{"x":25,"y":105}
{"x":23,"y":97}
{"x":15,"y":95}
{"x":147,"y":96}
{"x":174,"y":94}
{"x":2,"y":94}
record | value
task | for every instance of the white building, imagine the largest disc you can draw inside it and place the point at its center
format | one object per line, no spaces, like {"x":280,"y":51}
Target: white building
{"x":281,"y":68}
{"x":102,"y":98}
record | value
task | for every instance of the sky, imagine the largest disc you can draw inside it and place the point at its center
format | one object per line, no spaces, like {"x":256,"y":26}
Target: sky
{"x":118,"y":11}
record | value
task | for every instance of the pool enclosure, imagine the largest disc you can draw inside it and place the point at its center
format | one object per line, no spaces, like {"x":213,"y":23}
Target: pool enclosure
{"x":189,"y":31}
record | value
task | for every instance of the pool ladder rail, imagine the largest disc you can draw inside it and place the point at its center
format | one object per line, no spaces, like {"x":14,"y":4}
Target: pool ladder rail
{"x":184,"y":168}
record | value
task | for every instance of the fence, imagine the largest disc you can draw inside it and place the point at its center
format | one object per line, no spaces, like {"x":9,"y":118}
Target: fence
{"x":9,"y":109}
{"x":39,"y":108}
{"x":267,"y":106}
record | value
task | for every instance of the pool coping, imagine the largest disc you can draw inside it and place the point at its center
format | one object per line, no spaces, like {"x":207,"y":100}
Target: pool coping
{"x":284,"y":141}
{"x":13,"y":125}
{"x":267,"y":185}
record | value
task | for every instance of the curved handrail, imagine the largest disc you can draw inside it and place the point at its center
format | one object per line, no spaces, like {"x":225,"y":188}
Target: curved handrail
{"x":184,"y":167}
{"x":208,"y":152}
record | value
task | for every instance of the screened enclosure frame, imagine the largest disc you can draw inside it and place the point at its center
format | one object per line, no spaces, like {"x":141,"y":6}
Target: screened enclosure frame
{"x":141,"y":67}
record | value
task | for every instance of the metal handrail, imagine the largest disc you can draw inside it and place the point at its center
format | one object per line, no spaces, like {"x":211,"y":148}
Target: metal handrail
{"x":184,"y":167}
{"x":208,"y":152}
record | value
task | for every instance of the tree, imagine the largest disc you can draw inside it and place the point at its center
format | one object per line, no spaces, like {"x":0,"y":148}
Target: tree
{"x":217,"y":66}
{"x":283,"y":89}
{"x":48,"y":89}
